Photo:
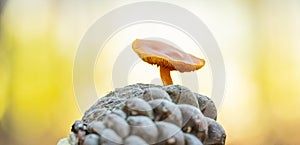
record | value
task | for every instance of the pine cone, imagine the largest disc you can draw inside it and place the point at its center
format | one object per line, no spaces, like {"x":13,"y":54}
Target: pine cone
{"x":149,"y":114}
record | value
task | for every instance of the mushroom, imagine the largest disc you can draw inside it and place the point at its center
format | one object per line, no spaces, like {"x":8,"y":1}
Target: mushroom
{"x":167,"y":57}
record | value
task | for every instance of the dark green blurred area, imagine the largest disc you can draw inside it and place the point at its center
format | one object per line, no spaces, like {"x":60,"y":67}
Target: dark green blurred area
{"x":259,"y":41}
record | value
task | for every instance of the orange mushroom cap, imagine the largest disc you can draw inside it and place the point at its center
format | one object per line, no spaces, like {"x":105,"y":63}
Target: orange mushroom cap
{"x":167,"y":56}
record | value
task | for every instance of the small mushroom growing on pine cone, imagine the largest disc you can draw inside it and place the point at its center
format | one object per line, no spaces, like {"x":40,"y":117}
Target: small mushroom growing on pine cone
{"x":167,"y":57}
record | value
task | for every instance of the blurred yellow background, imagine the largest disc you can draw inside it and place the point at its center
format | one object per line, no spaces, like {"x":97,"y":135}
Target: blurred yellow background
{"x":259,"y":39}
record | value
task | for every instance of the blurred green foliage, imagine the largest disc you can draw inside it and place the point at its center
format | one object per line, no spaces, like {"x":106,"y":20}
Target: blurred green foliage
{"x":38,"y":43}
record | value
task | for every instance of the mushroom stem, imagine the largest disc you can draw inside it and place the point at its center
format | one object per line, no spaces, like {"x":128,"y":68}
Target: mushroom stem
{"x":165,"y":76}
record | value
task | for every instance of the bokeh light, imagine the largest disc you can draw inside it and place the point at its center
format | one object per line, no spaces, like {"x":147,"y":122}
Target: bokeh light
{"x":259,"y":41}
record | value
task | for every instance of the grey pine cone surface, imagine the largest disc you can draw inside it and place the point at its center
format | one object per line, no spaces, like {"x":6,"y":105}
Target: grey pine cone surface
{"x":143,"y":114}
